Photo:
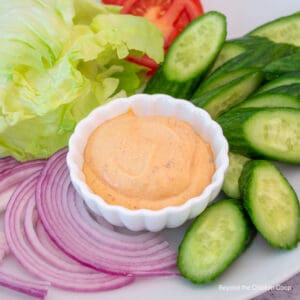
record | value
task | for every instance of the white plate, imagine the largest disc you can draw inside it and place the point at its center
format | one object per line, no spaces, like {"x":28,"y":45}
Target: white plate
{"x":260,"y":267}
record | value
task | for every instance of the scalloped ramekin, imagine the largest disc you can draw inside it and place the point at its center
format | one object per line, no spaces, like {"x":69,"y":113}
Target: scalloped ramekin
{"x":142,"y":104}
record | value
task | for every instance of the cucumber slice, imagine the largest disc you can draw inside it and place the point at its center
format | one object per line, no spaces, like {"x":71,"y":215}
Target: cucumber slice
{"x":221,"y":99}
{"x":280,"y":96}
{"x":292,"y":90}
{"x":282,"y":66}
{"x":271,"y":203}
{"x":270,"y":100}
{"x":159,"y":84}
{"x":257,"y":56}
{"x":229,"y":51}
{"x":231,"y":181}
{"x":213,"y":241}
{"x":207,"y":86}
{"x":272,"y":133}
{"x":282,"y":30}
{"x":287,"y":79}
{"x":234,"y":48}
{"x":196,"y":47}
{"x":189,"y":57}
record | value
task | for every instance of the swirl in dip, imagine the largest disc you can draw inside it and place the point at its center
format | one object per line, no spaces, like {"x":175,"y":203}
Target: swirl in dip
{"x":148,"y":162}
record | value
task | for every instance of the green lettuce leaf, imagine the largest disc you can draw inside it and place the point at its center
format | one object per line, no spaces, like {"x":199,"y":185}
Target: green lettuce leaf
{"x":58,"y":61}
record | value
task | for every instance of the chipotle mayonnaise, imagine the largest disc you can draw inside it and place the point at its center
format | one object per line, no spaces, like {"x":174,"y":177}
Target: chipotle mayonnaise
{"x":147,"y":162}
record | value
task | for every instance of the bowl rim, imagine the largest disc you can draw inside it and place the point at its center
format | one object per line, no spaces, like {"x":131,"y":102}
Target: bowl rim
{"x":86,"y":192}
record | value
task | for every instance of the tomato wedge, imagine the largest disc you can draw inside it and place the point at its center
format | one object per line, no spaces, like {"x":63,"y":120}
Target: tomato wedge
{"x":170,"y":16}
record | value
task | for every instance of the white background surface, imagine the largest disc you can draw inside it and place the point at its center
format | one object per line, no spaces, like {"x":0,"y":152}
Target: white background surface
{"x":260,"y":267}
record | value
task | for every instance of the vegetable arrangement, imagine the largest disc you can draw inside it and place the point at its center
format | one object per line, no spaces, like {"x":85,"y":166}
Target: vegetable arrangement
{"x":252,"y":90}
{"x":72,"y":57}
{"x":80,"y":58}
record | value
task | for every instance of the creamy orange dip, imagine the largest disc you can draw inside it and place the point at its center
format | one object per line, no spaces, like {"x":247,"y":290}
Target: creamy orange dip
{"x":147,"y":162}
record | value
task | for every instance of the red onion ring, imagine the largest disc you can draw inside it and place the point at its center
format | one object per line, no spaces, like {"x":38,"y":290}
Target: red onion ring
{"x":32,"y":288}
{"x":47,"y":255}
{"x":13,"y":176}
{"x":65,"y":220}
{"x":7,"y":163}
{"x":47,"y":243}
{"x":36,"y":264}
{"x":4,"y":249}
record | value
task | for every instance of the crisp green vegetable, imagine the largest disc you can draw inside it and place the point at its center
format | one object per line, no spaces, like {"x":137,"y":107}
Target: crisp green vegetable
{"x":282,"y":66}
{"x":189,"y":57}
{"x":270,"y":100}
{"x":271,"y":203}
{"x":221,"y":99}
{"x":272,"y":133}
{"x":193,"y":51}
{"x":231,"y":181}
{"x":219,"y":81}
{"x":260,"y":53}
{"x":229,"y":51}
{"x":286,"y":79}
{"x":266,"y":125}
{"x":235,"y":47}
{"x":70,"y":59}
{"x":213,"y":241}
{"x":282,"y":30}
{"x":292,"y":90}
{"x":280,"y":96}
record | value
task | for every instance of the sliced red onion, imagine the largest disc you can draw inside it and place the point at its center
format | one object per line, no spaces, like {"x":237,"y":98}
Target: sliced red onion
{"x":7,"y":163}
{"x":100,"y":220}
{"x":48,"y":244}
{"x":75,"y":231}
{"x":4,"y":249}
{"x":21,"y":209}
{"x":47,"y":255}
{"x":13,"y":176}
{"x":32,"y":288}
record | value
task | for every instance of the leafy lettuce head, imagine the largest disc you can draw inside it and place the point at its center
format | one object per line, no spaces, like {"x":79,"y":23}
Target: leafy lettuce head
{"x":58,"y":61}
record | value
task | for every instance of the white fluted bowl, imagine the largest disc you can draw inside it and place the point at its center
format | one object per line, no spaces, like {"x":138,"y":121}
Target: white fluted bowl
{"x":142,"y":104}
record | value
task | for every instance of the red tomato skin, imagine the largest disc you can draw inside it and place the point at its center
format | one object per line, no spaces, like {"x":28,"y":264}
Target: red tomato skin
{"x":170,"y":16}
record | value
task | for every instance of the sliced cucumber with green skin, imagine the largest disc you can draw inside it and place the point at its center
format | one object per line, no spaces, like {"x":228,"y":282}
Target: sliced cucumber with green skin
{"x":160,"y":84}
{"x":270,"y":100}
{"x":258,"y":57}
{"x":282,"y":30}
{"x":282,"y":66}
{"x":221,"y":99}
{"x":272,"y":133}
{"x":287,"y":79}
{"x":231,"y":181}
{"x":207,"y":86}
{"x":280,"y":96}
{"x":229,"y":51}
{"x":189,"y":56}
{"x":271,"y":203}
{"x":251,"y":42}
{"x":235,"y":47}
{"x":289,"y":90}
{"x":194,"y":50}
{"x":213,"y":241}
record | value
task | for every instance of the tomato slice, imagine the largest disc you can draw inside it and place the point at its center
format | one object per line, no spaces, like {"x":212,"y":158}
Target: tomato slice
{"x":170,"y":16}
{"x":145,"y":61}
